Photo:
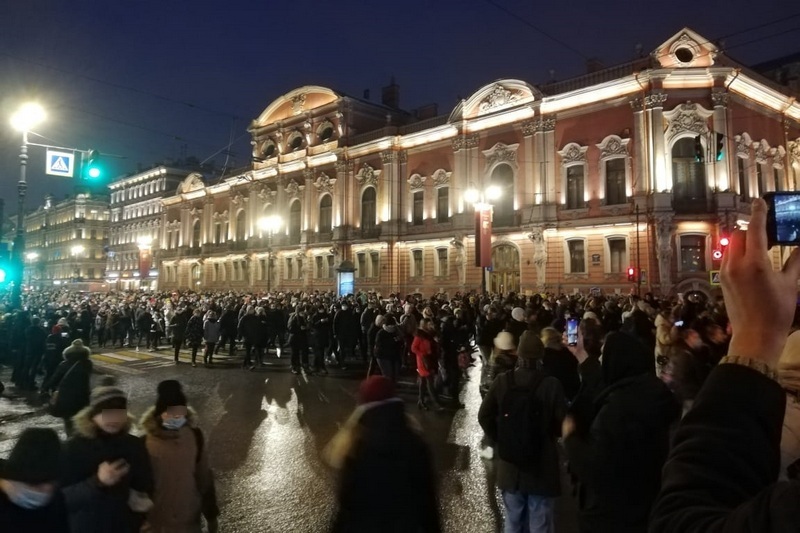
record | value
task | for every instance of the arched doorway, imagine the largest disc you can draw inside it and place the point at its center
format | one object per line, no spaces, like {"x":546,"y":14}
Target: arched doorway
{"x":505,"y":269}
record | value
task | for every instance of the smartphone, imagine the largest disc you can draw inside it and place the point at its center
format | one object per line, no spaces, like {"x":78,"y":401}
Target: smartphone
{"x":678,"y":323}
{"x":64,"y":334}
{"x":572,"y":331}
{"x":783,"y":218}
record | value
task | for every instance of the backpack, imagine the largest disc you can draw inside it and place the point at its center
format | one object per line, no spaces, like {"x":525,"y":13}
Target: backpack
{"x":519,"y":428}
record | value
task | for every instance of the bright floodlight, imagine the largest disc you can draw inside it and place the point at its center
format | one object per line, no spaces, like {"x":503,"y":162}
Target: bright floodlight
{"x":472,"y":196}
{"x":271,"y":223}
{"x":31,"y":256}
{"x":144,"y":241}
{"x":28,"y":116}
{"x":493,"y":192}
{"x":77,"y":249}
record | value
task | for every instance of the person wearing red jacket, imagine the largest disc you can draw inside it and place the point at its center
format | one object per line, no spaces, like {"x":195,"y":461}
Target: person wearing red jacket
{"x":426,"y":350}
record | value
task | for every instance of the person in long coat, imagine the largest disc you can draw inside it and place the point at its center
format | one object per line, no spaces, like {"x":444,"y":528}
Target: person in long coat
{"x":70,"y":386}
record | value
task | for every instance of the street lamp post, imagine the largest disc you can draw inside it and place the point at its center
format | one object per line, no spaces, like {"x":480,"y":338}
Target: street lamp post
{"x":31,"y":257}
{"x":270,"y":225}
{"x":482,"y":202}
{"x":26,"y":117}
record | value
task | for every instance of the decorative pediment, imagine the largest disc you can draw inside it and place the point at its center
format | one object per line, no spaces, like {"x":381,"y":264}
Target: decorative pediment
{"x":193,"y":182}
{"x":220,"y":217}
{"x":416,"y":182}
{"x":498,"y":98}
{"x":293,"y":189}
{"x":743,"y":144}
{"x":324,"y":183}
{"x":494,"y":97}
{"x":687,"y":118}
{"x":686,"y":49}
{"x":613,"y":146}
{"x":762,"y":151}
{"x":441,"y":178}
{"x":573,"y":153}
{"x":368,"y":175}
{"x":298,"y":101}
{"x":501,"y":153}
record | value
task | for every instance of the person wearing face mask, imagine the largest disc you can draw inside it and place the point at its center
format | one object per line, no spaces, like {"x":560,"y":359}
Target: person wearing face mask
{"x":29,"y":496}
{"x":184,"y":482}
{"x":107,"y":479}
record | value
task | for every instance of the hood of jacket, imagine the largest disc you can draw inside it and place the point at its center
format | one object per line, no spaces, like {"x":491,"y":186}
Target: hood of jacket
{"x":624,"y":356}
{"x":152,"y":425}
{"x":85,"y":427}
{"x":648,"y":401}
{"x":73,"y":354}
{"x":389,"y":329}
{"x":661,"y":321}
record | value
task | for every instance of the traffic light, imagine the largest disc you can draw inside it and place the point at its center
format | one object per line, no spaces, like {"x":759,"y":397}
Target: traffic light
{"x":724,"y":242}
{"x":631,"y":274}
{"x":94,"y":169}
{"x":720,"y":146}
{"x":699,"y":156}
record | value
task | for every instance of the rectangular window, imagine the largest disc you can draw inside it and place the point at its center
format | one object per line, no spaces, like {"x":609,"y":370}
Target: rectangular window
{"x":418,"y":214}
{"x":375,"y":264}
{"x":331,"y":270}
{"x":760,"y":179}
{"x":298,"y":268}
{"x":776,"y":177}
{"x":236,"y":271}
{"x":577,"y":256}
{"x":90,"y":273}
{"x":443,"y":205}
{"x":288,"y":273}
{"x":320,"y":266}
{"x":615,"y":181}
{"x":416,"y":264}
{"x":617,"y":255}
{"x":362,"y":265}
{"x":575,"y":187}
{"x":693,"y":253}
{"x":744,"y":184}
{"x":441,"y":262}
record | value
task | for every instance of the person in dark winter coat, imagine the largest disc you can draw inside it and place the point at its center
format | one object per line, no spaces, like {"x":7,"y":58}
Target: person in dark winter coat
{"x":619,"y":462}
{"x":560,"y":363}
{"x":35,"y":344}
{"x":211,"y":334}
{"x":386,"y":478}
{"x":178,"y":324}
{"x":184,"y":482}
{"x":194,"y":333}
{"x":249,"y":331}
{"x":321,"y":325}
{"x":529,"y":491}
{"x":107,"y":481}
{"x":228,"y":324}
{"x":298,"y":330}
{"x":29,"y":497}
{"x":347,"y":331}
{"x":389,"y":348}
{"x":71,"y":384}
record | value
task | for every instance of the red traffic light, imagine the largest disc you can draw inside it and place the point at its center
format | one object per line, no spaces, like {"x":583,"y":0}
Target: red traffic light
{"x":717,"y":254}
{"x":724,"y":241}
{"x":631,"y":274}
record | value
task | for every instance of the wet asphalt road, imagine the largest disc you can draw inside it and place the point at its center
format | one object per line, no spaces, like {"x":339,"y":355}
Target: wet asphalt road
{"x":266,"y":430}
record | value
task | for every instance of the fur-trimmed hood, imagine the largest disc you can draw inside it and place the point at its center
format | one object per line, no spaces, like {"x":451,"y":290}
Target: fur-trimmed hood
{"x":85,"y":427}
{"x":152,"y":426}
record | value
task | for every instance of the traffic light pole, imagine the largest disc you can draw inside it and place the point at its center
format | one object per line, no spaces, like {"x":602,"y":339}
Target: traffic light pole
{"x":638,"y":256}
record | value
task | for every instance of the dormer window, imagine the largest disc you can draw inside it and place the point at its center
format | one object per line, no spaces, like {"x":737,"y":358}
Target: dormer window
{"x":295,"y":141}
{"x":684,"y":55}
{"x":325,"y":131}
{"x":269,"y":149}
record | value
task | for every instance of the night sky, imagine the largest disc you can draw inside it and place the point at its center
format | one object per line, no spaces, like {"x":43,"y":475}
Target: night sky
{"x":155,"y":79}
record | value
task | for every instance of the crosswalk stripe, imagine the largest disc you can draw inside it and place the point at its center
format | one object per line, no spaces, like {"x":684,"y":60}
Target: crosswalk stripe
{"x":115,"y":355}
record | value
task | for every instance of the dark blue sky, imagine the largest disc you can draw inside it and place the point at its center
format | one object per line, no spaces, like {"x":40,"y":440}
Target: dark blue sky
{"x":146,"y":78}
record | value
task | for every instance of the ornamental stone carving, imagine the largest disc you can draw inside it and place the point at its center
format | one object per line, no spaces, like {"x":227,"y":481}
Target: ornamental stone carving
{"x":466,"y":141}
{"x":416,"y":182}
{"x":293,"y":189}
{"x":652,"y":101}
{"x":342,"y":166}
{"x":298,"y":101}
{"x":719,"y":99}
{"x":460,"y":257}
{"x":539,"y":255}
{"x":528,"y":128}
{"x":794,"y":151}
{"x":266,"y":195}
{"x":367,"y":175}
{"x":501,"y":153}
{"x":499,"y":97}
{"x":664,"y":232}
{"x":221,"y":217}
{"x":402,"y":157}
{"x":324,"y":183}
{"x":688,"y":117}
{"x":237,"y":199}
{"x":613,"y":146}
{"x":762,"y":151}
{"x":545,"y":124}
{"x":441,"y":178}
{"x":388,"y":157}
{"x":778,"y":154}
{"x":743,"y":144}
{"x":573,"y":153}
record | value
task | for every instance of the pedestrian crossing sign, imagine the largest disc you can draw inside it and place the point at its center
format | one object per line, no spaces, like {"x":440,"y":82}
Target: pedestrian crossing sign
{"x":60,"y":163}
{"x":713,"y":278}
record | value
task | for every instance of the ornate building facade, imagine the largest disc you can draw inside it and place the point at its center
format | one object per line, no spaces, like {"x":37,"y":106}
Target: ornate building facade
{"x":66,"y":243}
{"x":641,"y":165}
{"x":135,"y":229}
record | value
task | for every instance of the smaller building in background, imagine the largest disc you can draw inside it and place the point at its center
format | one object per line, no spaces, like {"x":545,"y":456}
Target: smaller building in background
{"x":136,"y":224}
{"x":66,"y":243}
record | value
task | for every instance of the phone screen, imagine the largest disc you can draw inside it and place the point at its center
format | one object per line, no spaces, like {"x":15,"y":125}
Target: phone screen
{"x":572,"y":331}
{"x":783,"y":218}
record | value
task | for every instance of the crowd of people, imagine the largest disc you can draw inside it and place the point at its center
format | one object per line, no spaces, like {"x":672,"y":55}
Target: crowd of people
{"x":671,"y":414}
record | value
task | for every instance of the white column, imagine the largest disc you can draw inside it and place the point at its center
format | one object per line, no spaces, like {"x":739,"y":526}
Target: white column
{"x":722,"y":168}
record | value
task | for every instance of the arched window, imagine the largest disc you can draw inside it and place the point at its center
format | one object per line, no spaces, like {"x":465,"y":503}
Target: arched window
{"x":368,"y":210}
{"x":217,"y":232}
{"x":326,"y":214}
{"x":688,"y":177}
{"x":196,"y":234}
{"x":503,"y":177}
{"x":241,"y":226}
{"x":196,"y":274}
{"x":294,"y":222}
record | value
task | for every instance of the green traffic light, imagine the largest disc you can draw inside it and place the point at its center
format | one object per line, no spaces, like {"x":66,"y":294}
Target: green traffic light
{"x":2,"y":275}
{"x":94,"y":172}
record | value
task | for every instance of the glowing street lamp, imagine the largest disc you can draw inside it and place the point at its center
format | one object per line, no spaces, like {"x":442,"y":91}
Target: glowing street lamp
{"x":482,"y":202}
{"x":27,"y":117}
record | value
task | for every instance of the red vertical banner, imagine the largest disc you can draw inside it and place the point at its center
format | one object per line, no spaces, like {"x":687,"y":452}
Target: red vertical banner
{"x":483,"y":253}
{"x":145,"y":260}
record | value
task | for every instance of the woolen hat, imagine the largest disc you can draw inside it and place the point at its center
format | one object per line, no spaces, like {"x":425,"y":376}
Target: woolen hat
{"x":530,"y":346}
{"x":504,"y":341}
{"x":170,"y":394}
{"x":107,"y":396}
{"x":78,"y":343}
{"x":518,"y":314}
{"x":375,"y":389}
{"x":35,"y":459}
